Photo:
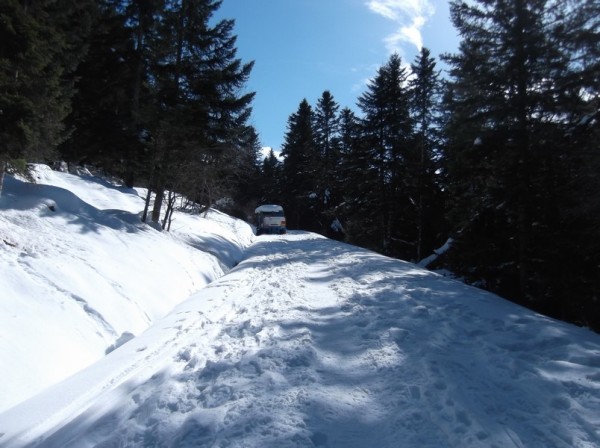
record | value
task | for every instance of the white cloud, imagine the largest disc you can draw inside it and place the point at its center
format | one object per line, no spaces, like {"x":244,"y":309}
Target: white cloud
{"x":266,"y":150}
{"x":383,"y":8}
{"x":410,"y":15}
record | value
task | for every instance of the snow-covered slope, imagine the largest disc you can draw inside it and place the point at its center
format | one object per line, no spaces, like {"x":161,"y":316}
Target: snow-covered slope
{"x":309,"y":342}
{"x":80,"y":274}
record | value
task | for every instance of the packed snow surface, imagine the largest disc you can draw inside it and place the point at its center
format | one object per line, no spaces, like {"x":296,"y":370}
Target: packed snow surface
{"x":306,"y":342}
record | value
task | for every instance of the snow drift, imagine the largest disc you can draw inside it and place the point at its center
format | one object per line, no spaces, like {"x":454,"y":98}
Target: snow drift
{"x":78,"y":271}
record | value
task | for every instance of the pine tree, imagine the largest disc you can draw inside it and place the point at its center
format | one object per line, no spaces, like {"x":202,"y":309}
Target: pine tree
{"x":200,"y":112}
{"x":521,"y":77}
{"x":359,"y":183}
{"x":299,"y":170}
{"x":574,"y":288}
{"x":387,"y":132}
{"x":102,"y":108}
{"x":41,"y":44}
{"x":425,"y":109}
{"x":246,"y":174}
{"x":491,"y":86}
{"x":271,"y":184}
{"x":326,"y":135}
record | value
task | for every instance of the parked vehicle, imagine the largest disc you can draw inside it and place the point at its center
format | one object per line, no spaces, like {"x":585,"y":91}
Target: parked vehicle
{"x":270,"y":219}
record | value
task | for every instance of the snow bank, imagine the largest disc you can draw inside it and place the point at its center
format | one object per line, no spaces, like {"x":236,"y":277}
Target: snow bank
{"x":78,"y":271}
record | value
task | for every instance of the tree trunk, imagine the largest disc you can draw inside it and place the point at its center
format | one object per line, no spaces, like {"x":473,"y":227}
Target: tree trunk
{"x":165,"y":166}
{"x":2,"y":169}
{"x":135,"y":104}
{"x":524,"y":219}
{"x":160,"y":193}
{"x":420,"y":194}
{"x":166,"y":224}
{"x":147,"y":204}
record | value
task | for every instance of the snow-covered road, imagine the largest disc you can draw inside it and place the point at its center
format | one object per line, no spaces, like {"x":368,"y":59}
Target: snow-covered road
{"x":311,"y":342}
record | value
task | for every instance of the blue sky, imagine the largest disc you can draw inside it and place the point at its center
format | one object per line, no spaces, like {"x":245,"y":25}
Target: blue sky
{"x":304,"y":47}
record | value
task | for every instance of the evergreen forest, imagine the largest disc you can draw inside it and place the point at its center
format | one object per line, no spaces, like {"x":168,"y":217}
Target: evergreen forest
{"x":489,"y":170}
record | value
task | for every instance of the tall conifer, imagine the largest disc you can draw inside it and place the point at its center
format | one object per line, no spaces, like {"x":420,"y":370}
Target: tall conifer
{"x":327,"y":141}
{"x":517,"y":88}
{"x":41,"y":44}
{"x":299,"y":169}
{"x":200,"y":111}
{"x":425,"y":89}
{"x":387,"y":133}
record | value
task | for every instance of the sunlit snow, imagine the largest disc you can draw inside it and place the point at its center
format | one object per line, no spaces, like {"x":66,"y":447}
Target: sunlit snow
{"x":272,"y":341}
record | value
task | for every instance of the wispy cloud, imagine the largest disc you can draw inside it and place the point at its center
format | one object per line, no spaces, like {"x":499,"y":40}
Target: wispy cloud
{"x":410,"y":15}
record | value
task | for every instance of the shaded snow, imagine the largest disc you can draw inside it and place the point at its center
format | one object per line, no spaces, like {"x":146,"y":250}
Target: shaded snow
{"x":309,"y":342}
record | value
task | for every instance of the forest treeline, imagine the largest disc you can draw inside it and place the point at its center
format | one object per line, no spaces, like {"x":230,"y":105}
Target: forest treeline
{"x":147,"y":90}
{"x":490,"y":170}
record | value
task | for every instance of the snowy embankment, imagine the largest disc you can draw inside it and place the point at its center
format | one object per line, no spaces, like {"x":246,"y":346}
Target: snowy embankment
{"x":308,"y":342}
{"x":79,"y":273}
